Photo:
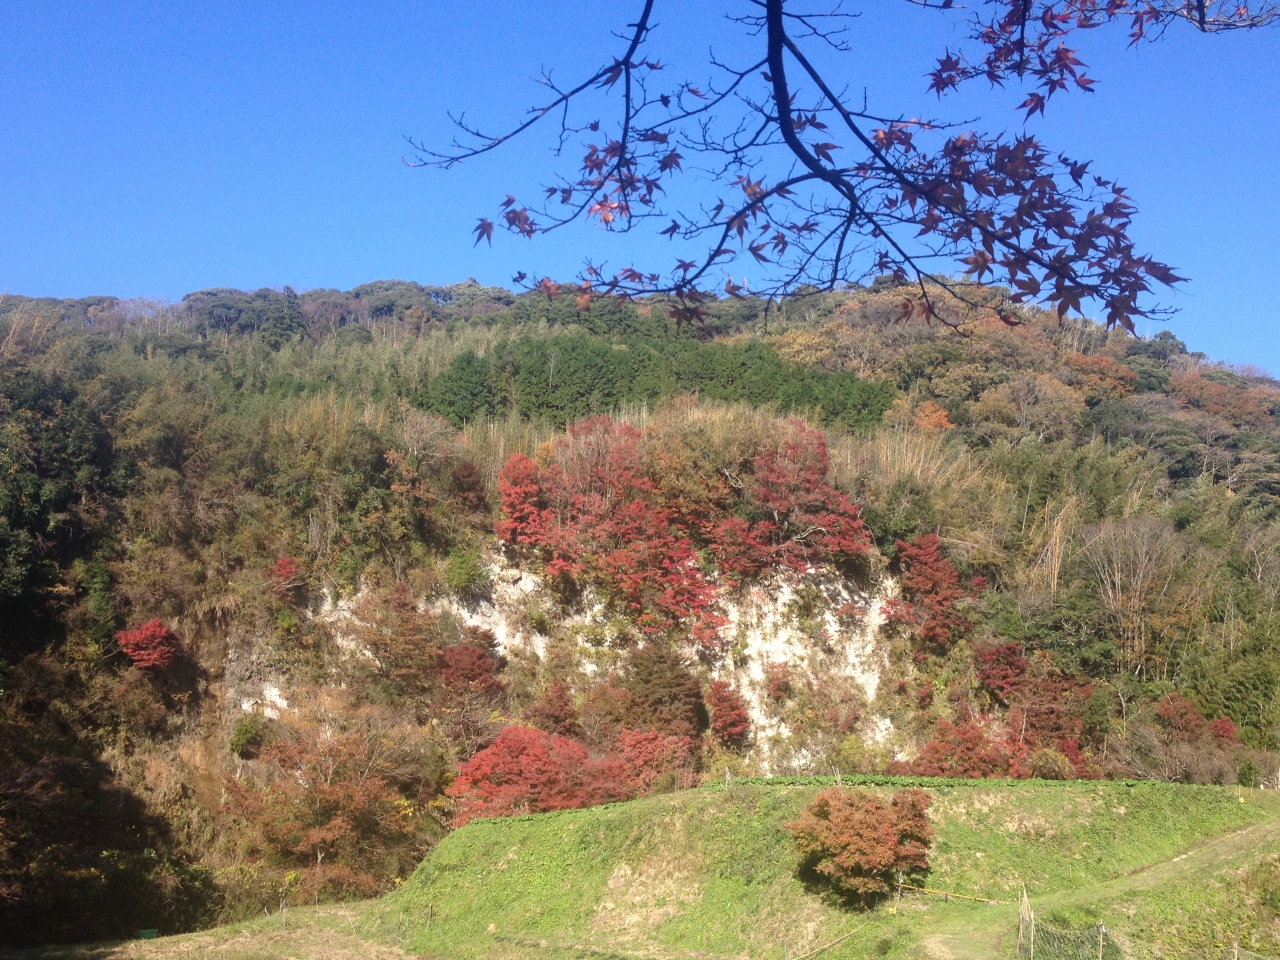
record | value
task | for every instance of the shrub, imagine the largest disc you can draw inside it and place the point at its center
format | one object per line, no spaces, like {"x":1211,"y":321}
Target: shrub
{"x":467,"y":668}
{"x":531,"y":771}
{"x":465,"y":574}
{"x":730,"y":722}
{"x":862,"y":844}
{"x":778,"y":681}
{"x":1224,"y":731}
{"x":346,"y":809}
{"x":1247,"y":774}
{"x":931,"y":417}
{"x":247,"y":737}
{"x":1181,"y":717}
{"x":653,"y":761}
{"x":960,"y":750}
{"x":149,"y":645}
{"x":931,"y":587}
{"x":554,"y":712}
{"x":1100,"y":378}
{"x":466,"y":485}
{"x":666,"y":695}
{"x":1000,"y":667}
{"x":286,"y":577}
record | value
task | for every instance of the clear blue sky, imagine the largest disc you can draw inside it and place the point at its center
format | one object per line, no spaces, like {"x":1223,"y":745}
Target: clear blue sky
{"x":152,"y":149}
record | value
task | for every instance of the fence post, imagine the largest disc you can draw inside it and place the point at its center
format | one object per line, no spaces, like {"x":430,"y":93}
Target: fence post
{"x":1026,"y":926}
{"x":1102,"y":935}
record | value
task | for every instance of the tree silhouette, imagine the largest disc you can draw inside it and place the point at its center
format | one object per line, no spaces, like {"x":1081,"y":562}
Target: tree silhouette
{"x":807,"y":183}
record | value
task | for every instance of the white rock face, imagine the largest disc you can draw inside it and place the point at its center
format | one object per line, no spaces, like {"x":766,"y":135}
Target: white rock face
{"x":764,"y":629}
{"x":338,"y":614}
{"x":820,"y":625}
{"x":503,"y":613}
{"x":269,"y":703}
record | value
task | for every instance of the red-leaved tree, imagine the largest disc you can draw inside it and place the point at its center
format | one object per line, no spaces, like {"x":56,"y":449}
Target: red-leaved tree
{"x":554,"y":712}
{"x":150,"y":645}
{"x":932,"y":591}
{"x":730,"y":721}
{"x":965,"y":750}
{"x":532,"y":771}
{"x":862,"y":844}
{"x":1000,"y":667}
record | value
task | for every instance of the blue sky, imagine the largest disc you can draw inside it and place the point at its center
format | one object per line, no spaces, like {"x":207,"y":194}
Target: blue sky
{"x":152,"y":149}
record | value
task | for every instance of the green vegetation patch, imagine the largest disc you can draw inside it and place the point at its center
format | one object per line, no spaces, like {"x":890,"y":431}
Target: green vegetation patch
{"x":714,"y":872}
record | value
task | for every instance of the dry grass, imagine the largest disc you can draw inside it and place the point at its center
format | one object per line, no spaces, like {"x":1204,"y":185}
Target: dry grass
{"x":323,"y":933}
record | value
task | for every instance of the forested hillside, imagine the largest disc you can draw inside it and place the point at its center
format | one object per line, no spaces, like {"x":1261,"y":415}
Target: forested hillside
{"x":292,"y":584}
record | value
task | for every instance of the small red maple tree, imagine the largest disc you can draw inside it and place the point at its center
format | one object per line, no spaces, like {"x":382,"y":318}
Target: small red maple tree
{"x":931,"y":586}
{"x":965,"y":750}
{"x":554,"y":712}
{"x":861,"y":843}
{"x":730,"y":722}
{"x":530,"y":771}
{"x":149,"y":645}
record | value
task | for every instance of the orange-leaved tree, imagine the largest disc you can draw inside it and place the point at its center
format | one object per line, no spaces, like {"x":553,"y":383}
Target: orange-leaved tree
{"x":860,"y":842}
{"x":343,"y":796}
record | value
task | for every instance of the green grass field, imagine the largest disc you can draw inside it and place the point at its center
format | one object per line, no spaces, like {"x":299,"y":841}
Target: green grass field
{"x":711,"y":873}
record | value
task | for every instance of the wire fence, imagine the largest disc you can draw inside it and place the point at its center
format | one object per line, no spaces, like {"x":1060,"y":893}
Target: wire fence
{"x":1039,"y":939}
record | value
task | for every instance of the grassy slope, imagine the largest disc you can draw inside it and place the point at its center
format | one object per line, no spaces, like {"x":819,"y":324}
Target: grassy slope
{"x":711,"y":874}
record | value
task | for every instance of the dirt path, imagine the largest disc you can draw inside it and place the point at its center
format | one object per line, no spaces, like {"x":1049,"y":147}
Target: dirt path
{"x":324,"y":933}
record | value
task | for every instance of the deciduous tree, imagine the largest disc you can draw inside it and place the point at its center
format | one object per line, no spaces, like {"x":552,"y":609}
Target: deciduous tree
{"x":860,"y":842}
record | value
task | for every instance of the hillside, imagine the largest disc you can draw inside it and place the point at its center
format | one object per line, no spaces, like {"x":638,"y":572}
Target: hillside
{"x":1172,"y":870}
{"x":294,"y":585}
{"x":713,"y":873}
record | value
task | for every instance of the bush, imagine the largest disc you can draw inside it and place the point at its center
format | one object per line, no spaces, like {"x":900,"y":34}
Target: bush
{"x":465,"y":574}
{"x":730,"y":723}
{"x":532,"y":771}
{"x":932,"y":591}
{"x":666,"y":695}
{"x":248,"y":736}
{"x":149,"y":645}
{"x":1247,"y":774}
{"x":862,"y":844}
{"x":962,"y":750}
{"x":554,"y":712}
{"x":348,"y":808}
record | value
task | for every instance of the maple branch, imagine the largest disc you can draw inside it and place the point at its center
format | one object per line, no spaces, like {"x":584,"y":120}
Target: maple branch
{"x":922,"y":192}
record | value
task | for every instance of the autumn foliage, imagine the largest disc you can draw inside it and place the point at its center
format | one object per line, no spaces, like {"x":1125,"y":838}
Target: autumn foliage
{"x":730,"y":722}
{"x":532,"y":771}
{"x":965,"y":750}
{"x":596,"y":513}
{"x":861,"y":843}
{"x":346,"y":797}
{"x":554,"y":712}
{"x":933,"y":594}
{"x":150,"y":645}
